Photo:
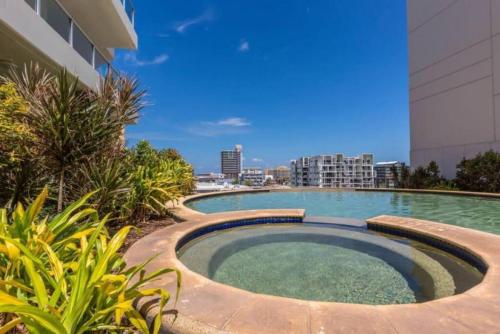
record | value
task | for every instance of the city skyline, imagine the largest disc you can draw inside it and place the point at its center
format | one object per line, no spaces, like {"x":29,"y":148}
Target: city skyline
{"x":311,"y":77}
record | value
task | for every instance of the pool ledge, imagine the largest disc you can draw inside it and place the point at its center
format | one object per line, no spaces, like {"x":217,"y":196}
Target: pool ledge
{"x":206,"y":306}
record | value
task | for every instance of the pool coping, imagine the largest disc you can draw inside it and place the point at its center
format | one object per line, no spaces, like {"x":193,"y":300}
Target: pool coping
{"x":206,"y":306}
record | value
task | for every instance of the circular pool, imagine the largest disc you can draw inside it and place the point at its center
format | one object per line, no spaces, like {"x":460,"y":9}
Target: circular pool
{"x":466,"y":211}
{"x":322,"y":262}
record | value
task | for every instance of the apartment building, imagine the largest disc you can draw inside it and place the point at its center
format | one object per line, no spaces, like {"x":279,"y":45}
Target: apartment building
{"x":454,"y":65}
{"x":338,"y":171}
{"x":253,"y":176}
{"x":231,"y":162}
{"x":78,"y":35}
{"x":299,"y":172}
{"x":384,"y":174}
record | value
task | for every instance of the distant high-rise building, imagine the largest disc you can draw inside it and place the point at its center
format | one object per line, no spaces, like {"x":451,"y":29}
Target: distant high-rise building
{"x":454,"y":65}
{"x":384,"y":174}
{"x":231,"y":162}
{"x":333,"y":171}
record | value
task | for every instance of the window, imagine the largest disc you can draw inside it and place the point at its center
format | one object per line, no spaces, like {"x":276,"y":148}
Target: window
{"x":100,"y":64}
{"x":55,"y":16}
{"x":82,"y":45}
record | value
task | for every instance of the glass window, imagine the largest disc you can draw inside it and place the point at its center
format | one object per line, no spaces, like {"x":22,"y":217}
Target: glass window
{"x":56,"y":17}
{"x":82,"y":45}
{"x":100,"y":64}
{"x":31,"y":3}
{"x":129,"y":8}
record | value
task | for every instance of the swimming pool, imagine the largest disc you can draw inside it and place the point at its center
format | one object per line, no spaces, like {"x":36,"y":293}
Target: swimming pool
{"x":472,"y":212}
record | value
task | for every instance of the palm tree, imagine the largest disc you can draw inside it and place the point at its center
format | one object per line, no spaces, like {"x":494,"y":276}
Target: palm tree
{"x":122,"y":96}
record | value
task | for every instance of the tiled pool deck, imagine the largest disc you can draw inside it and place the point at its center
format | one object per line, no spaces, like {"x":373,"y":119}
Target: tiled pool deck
{"x":206,"y":306}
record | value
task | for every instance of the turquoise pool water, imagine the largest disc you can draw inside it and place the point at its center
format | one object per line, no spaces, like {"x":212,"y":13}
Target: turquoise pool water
{"x":316,"y":262}
{"x":472,"y":212}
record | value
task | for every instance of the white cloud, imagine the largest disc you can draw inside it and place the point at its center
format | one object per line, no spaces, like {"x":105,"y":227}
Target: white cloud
{"x":132,"y":59}
{"x":234,"y":121}
{"x":227,"y":126}
{"x":258,"y":160}
{"x":206,"y":16}
{"x":244,"y":46}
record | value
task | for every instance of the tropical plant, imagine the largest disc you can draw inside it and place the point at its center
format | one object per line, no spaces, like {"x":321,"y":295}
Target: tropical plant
{"x":170,"y":154}
{"x":13,"y":133}
{"x":69,"y":124}
{"x":151,"y":190}
{"x":122,"y":96}
{"x":481,"y":173}
{"x":76,"y":146}
{"x":156,"y":179}
{"x":112,"y":181}
{"x":65,"y":275}
{"x":428,"y":177}
{"x":16,"y":164}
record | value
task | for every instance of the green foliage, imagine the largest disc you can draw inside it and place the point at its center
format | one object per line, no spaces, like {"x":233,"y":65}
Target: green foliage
{"x":65,"y":275}
{"x":481,"y":173}
{"x":16,"y":166}
{"x":428,"y":177}
{"x":112,"y":180}
{"x":157,"y":177}
{"x":54,"y":132}
{"x":137,"y":184}
{"x":12,"y":131}
{"x":69,"y":125}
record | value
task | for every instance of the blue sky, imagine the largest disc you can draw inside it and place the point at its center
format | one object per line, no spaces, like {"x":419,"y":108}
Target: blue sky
{"x":283,"y":78}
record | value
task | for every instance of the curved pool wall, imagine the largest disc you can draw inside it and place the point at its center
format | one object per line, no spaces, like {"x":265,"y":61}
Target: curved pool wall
{"x":211,"y":307}
{"x":477,"y":212}
{"x":283,"y":257}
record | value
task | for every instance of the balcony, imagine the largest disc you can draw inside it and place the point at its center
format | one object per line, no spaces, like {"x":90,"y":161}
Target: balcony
{"x":44,"y":32}
{"x":108,"y":23}
{"x":60,"y":21}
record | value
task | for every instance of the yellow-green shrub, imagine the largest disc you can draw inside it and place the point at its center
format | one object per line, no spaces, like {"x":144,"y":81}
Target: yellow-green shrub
{"x":65,"y":275}
{"x":13,"y":133}
{"x":155,"y":178}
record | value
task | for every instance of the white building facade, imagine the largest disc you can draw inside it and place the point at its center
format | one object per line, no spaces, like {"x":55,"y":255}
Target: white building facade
{"x":74,"y":34}
{"x":335,"y":171}
{"x":254,"y":176}
{"x":454,"y":65}
{"x":299,"y":172}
